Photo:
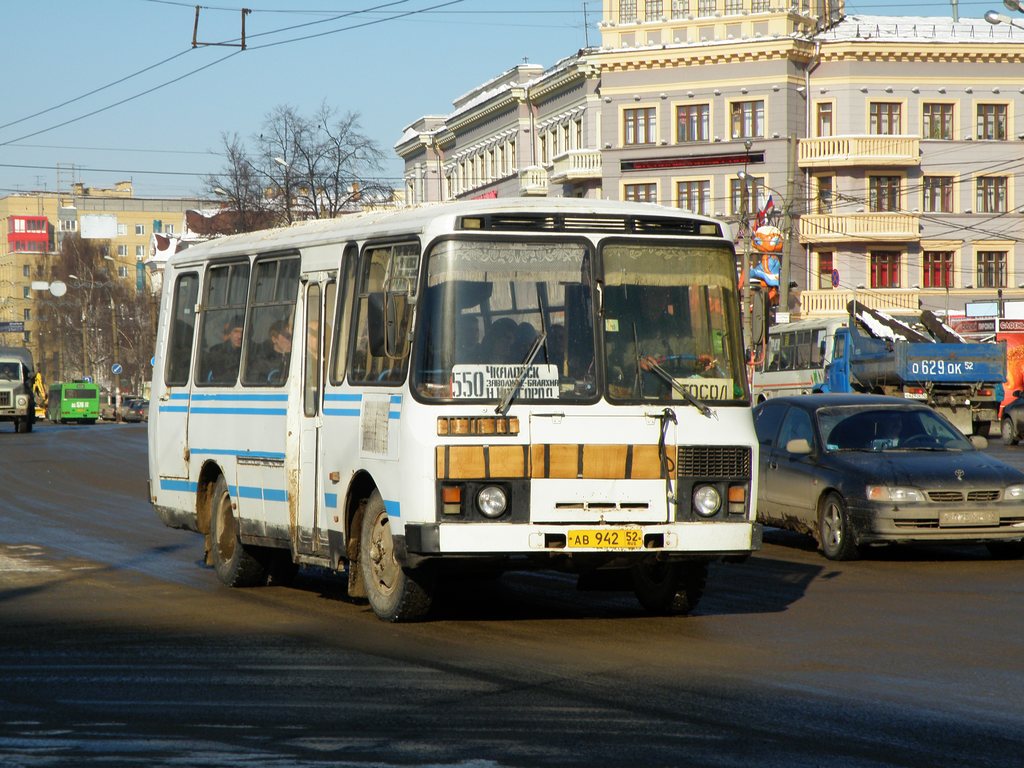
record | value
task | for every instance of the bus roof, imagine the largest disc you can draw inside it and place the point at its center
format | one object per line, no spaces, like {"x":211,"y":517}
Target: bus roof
{"x":369,"y":224}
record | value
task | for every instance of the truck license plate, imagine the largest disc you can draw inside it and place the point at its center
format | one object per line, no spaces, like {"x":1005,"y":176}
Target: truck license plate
{"x":605,"y":538}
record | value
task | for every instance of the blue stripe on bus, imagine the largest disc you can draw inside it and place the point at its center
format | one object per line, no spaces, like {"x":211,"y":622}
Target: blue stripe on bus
{"x":344,"y":398}
{"x":234,"y":452}
{"x":167,"y":484}
{"x":341,"y":411}
{"x":240,"y":397}
{"x":393,"y":508}
{"x":394,"y":414}
{"x":243,"y":411}
{"x":172,"y":408}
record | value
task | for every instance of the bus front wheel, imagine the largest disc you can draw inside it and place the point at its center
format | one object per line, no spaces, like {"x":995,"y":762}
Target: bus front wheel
{"x":669,"y":587}
{"x":396,"y":593}
{"x":234,"y":562}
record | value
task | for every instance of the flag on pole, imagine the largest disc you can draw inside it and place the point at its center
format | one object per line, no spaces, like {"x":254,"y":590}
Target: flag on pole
{"x":766,"y":212}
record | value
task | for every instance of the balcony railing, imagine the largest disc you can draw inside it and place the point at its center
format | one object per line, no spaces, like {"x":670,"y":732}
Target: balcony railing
{"x":874,"y":227}
{"x":834,"y":302}
{"x":533,"y":180}
{"x":577,"y":165}
{"x":830,"y":151}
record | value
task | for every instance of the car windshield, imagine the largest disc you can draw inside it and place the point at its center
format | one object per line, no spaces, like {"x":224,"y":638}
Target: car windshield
{"x":887,"y":428}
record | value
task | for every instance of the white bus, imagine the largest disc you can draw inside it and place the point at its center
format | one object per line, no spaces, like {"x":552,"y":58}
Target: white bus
{"x":459,"y":387}
{"x":795,"y":361}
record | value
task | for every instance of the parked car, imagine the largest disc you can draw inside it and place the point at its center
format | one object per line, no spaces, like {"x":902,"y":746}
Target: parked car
{"x":856,"y":470}
{"x":1012,"y":422}
{"x":138,"y":410}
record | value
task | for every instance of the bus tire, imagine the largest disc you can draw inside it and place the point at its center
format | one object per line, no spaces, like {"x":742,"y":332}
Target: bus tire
{"x":235,"y":563}
{"x":669,"y":587}
{"x":395,"y":593}
{"x":23,"y":425}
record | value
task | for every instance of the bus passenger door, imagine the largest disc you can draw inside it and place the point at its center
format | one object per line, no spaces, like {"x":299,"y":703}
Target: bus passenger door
{"x":168,"y":432}
{"x":309,"y":534}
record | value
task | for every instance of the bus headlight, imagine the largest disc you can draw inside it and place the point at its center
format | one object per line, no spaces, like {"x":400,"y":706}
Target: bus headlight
{"x":21,"y":401}
{"x":706,"y":500}
{"x":492,"y":501}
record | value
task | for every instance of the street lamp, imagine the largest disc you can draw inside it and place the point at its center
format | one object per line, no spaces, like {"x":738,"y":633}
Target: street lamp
{"x":994,"y":17}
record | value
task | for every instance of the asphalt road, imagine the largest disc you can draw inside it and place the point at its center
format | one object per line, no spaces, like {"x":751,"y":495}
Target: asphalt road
{"x":118,"y":647}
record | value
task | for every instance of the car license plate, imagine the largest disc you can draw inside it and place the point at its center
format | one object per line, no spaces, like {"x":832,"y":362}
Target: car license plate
{"x":973,"y":517}
{"x":605,"y":538}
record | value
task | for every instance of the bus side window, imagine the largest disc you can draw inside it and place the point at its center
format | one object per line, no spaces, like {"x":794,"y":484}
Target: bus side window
{"x":343,"y":325}
{"x":220,"y":346}
{"x":178,"y":358}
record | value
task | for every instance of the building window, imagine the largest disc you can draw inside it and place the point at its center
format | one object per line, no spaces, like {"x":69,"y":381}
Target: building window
{"x":169,"y":229}
{"x":69,"y":225}
{"x":884,"y":118}
{"x":747,"y":119}
{"x":122,"y":230}
{"x":122,"y":250}
{"x":938,"y":194}
{"x":825,"y":266}
{"x":884,"y":193}
{"x":641,"y":193}
{"x":938,"y":121}
{"x":140,"y":252}
{"x":824,"y":118}
{"x":655,"y":9}
{"x":744,"y":197}
{"x":122,"y":272}
{"x":692,"y":123}
{"x":694,"y":196}
{"x":140,"y":229}
{"x":706,"y":7}
{"x":992,"y":122}
{"x":991,"y":269}
{"x":680,"y":9}
{"x":991,"y":194}
{"x":627,"y":11}
{"x":938,"y":269}
{"x":26,"y":292}
{"x":26,"y":271}
{"x":824,"y":194}
{"x":761,"y":6}
{"x":733,"y":7}
{"x":639,"y":125}
{"x":885,"y":269}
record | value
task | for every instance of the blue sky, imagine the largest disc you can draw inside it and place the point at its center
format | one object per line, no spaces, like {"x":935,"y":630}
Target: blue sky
{"x":114,"y":89}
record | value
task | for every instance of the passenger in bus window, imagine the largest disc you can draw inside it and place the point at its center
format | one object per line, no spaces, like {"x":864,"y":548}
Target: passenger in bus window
{"x":498,"y":341}
{"x":223,"y":358}
{"x":281,"y":352}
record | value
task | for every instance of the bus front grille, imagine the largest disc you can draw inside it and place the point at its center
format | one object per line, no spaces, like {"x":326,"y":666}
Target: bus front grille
{"x":713,"y":461}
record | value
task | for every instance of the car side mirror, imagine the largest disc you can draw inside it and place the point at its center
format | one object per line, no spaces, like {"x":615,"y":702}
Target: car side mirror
{"x":979,"y":442}
{"x":799,"y":445}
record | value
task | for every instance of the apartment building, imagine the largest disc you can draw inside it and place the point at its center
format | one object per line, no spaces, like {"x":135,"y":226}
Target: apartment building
{"x":891,"y":147}
{"x":33,"y":224}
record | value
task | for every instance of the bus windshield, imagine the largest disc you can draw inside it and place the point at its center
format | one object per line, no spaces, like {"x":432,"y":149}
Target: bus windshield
{"x":485,"y":305}
{"x":668,"y":318}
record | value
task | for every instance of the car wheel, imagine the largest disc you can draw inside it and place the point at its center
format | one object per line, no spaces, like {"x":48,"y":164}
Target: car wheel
{"x":669,"y":587}
{"x":834,"y":531}
{"x":1006,"y":550}
{"x":396,"y":593}
{"x":1009,"y":432}
{"x":236,"y":564}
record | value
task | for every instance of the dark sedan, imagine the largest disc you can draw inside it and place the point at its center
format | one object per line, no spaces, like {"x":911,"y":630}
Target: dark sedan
{"x":856,"y":470}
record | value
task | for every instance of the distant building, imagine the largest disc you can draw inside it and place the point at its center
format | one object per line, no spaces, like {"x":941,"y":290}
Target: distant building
{"x":33,"y":224}
{"x":890,"y":146}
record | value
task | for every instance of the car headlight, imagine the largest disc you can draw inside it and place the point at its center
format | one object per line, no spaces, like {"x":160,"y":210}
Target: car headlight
{"x":1013,"y":493}
{"x":897,"y":495}
{"x":706,"y":500}
{"x":492,"y":501}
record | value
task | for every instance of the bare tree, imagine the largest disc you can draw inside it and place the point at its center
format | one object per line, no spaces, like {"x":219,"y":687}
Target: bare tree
{"x":302,"y":168}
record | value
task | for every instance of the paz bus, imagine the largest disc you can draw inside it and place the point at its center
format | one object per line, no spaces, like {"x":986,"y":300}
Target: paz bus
{"x":77,"y":401}
{"x":456,"y":389}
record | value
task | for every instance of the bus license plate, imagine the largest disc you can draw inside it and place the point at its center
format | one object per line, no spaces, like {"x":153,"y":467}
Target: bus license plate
{"x":605,"y":538}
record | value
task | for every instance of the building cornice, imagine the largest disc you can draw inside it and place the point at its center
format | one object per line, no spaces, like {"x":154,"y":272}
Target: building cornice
{"x":743,"y":51}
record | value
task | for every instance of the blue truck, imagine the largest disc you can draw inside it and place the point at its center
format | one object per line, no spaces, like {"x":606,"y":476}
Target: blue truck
{"x":880,"y":354}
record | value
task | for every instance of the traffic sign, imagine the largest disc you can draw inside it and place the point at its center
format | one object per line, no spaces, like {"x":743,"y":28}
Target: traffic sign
{"x":116,"y":369}
{"x":12,"y":326}
{"x":835,"y":278}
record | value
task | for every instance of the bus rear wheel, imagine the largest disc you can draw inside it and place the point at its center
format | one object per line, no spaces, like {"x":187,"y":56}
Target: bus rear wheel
{"x":396,"y":593}
{"x":669,"y":587}
{"x":235,"y":563}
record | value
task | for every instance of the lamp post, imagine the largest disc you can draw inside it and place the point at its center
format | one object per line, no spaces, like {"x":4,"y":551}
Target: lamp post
{"x":994,"y":17}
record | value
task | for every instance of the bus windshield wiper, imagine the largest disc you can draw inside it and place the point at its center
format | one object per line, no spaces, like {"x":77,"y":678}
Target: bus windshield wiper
{"x":700,"y":405}
{"x":506,"y":401}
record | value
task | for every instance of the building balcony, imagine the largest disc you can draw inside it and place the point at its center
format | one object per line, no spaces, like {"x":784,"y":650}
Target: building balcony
{"x":816,"y":228}
{"x":830,"y":303}
{"x":576,"y":165}
{"x":875,"y":151}
{"x":533,"y":180}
